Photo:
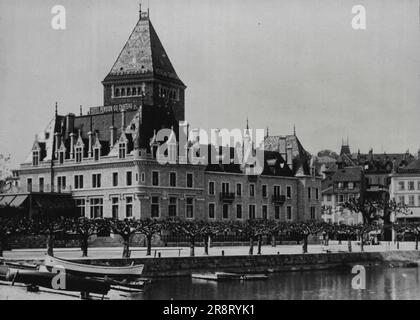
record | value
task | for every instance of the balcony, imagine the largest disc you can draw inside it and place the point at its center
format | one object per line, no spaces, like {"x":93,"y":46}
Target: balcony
{"x":227,"y":197}
{"x":377,"y":188}
{"x":278,"y":198}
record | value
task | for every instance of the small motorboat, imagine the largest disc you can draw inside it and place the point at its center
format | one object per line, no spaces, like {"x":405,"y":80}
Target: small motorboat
{"x":88,"y":270}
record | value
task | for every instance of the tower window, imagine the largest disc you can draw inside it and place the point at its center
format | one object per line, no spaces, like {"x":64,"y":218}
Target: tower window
{"x":61,"y":157}
{"x":96,"y":154}
{"x":79,"y":154}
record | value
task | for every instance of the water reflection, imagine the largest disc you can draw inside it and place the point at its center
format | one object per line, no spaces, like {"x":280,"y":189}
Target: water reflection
{"x":381,"y":283}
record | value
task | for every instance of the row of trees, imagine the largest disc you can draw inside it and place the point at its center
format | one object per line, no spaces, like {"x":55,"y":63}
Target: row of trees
{"x":254,"y":230}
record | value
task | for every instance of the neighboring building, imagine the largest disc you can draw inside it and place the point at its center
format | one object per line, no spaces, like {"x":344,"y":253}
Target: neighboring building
{"x":377,"y":170}
{"x":343,"y":185}
{"x":405,"y":188}
{"x":106,"y":160}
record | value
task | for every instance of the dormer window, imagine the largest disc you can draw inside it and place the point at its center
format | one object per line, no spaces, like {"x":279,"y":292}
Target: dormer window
{"x":79,"y":154}
{"x":122,"y":150}
{"x":35,"y":158}
{"x":61,"y":157}
{"x":96,"y":154}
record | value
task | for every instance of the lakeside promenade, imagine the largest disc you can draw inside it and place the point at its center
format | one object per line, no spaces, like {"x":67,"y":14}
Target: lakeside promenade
{"x":171,"y":252}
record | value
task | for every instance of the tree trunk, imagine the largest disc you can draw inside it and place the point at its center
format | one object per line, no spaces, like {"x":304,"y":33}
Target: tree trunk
{"x":273,"y":239}
{"x":305,"y":244}
{"x":417,"y":242}
{"x":126,"y":250}
{"x":149,"y":245}
{"x":251,"y":246}
{"x":206,"y":245}
{"x":84,"y":246}
{"x":361,"y":243}
{"x":50,"y":245}
{"x":192,"y":247}
{"x":259,"y":244}
{"x":349,"y":244}
{"x":1,"y":247}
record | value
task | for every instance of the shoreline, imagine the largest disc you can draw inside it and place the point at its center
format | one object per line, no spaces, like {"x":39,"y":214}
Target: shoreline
{"x":185,"y":266}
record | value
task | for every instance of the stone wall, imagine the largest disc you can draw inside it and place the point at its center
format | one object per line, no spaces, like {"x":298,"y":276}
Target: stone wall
{"x":184,"y":266}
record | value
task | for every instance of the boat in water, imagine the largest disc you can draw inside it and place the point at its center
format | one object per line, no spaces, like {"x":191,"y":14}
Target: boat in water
{"x":88,"y":270}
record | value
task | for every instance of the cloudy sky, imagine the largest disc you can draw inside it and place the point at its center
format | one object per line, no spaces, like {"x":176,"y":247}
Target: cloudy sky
{"x":278,"y":62}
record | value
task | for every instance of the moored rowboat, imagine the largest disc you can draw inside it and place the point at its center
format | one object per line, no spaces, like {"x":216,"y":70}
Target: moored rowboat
{"x":94,"y":270}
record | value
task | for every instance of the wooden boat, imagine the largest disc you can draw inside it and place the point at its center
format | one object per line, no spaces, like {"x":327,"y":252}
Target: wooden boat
{"x":45,"y":280}
{"x":221,"y":276}
{"x":94,"y":270}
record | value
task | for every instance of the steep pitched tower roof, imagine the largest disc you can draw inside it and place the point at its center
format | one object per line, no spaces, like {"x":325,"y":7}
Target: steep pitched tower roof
{"x":143,"y":55}
{"x":143,"y":73}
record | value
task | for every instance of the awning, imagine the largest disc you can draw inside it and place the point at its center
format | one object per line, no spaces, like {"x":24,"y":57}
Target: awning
{"x":53,"y":202}
{"x":6,"y":200}
{"x":18,"y":201}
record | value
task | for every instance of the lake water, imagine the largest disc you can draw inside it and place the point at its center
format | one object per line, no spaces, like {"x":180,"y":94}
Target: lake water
{"x":381,"y":283}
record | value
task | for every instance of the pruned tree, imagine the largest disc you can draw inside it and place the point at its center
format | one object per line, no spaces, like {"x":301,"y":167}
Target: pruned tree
{"x":10,"y":227}
{"x":253,"y":229}
{"x":149,"y":227}
{"x":305,"y":229}
{"x":51,"y":226}
{"x":402,"y":228}
{"x":191,"y":229}
{"x":124,"y":228}
{"x":85,"y":228}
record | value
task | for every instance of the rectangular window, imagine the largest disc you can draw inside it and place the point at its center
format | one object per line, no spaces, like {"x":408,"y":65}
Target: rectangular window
{"x":155,"y":207}
{"x":316,"y":194}
{"x":401,"y":200}
{"x":61,"y":183}
{"x":35,"y":158}
{"x":239,"y":211}
{"x":239,"y":189}
{"x":411,"y":200}
{"x":172,"y":179}
{"x":78,"y":182}
{"x":225,"y":211}
{"x":96,"y":180}
{"x":328,"y":197}
{"x":309,"y":192}
{"x":121,"y":150}
{"x":340,"y":198}
{"x":129,"y":207}
{"x":350,"y":185}
{"x":29,"y":185}
{"x":129,"y":178}
{"x":79,"y":154}
{"x":401,"y":185}
{"x":410,"y":185}
{"x":190,"y":207}
{"x":41,"y":184}
{"x":251,"y":211}
{"x":276,"y":190}
{"x":211,"y":188}
{"x":80,"y":207}
{"x":225,"y":187}
{"x":277,"y":212}
{"x":96,"y":208}
{"x":340,"y":185}
{"x":264,"y":212}
{"x":190,"y":177}
{"x":172,"y":206}
{"x":211,"y":211}
{"x":252,"y":190}
{"x":155,"y":178}
{"x":96,"y":154}
{"x":264,"y":191}
{"x":289,"y":192}
{"x":61,"y":157}
{"x":115,"y":179}
{"x":313,"y":215}
{"x":115,"y":207}
{"x":289,"y":213}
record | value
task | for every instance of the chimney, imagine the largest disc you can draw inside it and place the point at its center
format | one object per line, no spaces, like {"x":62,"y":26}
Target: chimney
{"x":57,"y":143}
{"x":289,"y":155}
{"x":90,"y":134}
{"x":72,"y":135}
{"x":69,"y":124}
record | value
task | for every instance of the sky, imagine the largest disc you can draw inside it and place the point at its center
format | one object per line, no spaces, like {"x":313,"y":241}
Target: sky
{"x":279,"y":63}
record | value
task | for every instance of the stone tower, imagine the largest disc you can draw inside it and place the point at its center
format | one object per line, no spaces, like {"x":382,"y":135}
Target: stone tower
{"x":144,"y":74}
